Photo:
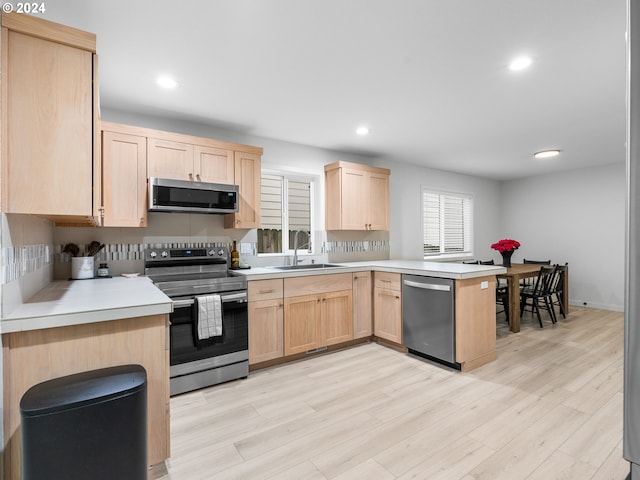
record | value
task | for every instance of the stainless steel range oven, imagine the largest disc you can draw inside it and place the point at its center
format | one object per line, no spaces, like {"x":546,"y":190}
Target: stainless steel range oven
{"x":191,"y":277}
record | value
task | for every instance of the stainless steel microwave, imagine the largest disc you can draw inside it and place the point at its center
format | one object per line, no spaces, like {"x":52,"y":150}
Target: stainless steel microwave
{"x":182,"y":196}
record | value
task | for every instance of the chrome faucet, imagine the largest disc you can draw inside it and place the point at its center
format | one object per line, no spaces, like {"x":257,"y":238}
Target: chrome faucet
{"x":295,"y":247}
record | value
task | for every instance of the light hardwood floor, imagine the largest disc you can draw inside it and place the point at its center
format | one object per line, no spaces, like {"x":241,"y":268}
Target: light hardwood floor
{"x":550,"y":407}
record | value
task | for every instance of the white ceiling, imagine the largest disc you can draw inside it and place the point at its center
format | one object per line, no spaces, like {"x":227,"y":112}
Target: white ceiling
{"x":429,"y":77}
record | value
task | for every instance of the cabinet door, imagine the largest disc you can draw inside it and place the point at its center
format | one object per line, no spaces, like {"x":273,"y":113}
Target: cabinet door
{"x":336,"y":319}
{"x":378,"y":215}
{"x":214,"y":165}
{"x":354,"y":199}
{"x":265,"y":330}
{"x":388,"y":315}
{"x":247,"y":177}
{"x":48,"y":169}
{"x":362,"y":305}
{"x":168,"y":159}
{"x":124,"y":180}
{"x":301,"y":318}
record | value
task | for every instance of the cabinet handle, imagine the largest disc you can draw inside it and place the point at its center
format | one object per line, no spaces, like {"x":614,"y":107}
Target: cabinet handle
{"x":191,"y":176}
{"x":280,"y":305}
{"x":267,"y":290}
{"x":198,"y":177}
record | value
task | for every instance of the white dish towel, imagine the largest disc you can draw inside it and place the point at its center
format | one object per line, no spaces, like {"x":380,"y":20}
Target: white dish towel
{"x":209,"y":316}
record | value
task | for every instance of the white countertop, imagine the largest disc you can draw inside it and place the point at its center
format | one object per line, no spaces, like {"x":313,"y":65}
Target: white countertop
{"x":74,"y":302}
{"x":456,"y":271}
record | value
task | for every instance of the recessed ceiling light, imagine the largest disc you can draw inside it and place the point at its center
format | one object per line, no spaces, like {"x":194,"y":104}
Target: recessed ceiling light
{"x":362,"y":130}
{"x":167,"y":82}
{"x":520,"y":63}
{"x":547,"y":153}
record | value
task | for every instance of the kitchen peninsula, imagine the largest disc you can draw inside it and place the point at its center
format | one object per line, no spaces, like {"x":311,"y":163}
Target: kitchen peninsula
{"x":75,"y":326}
{"x":285,"y":329}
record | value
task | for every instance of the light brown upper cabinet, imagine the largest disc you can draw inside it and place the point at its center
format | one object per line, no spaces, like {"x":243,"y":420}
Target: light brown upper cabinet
{"x":169,"y":159}
{"x":356,"y":197}
{"x":247,"y":172}
{"x":124,"y":179}
{"x":186,"y":161}
{"x":214,"y":165}
{"x":50,"y":142}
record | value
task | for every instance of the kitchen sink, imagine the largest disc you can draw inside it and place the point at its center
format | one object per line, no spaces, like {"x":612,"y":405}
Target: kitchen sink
{"x":310,"y":266}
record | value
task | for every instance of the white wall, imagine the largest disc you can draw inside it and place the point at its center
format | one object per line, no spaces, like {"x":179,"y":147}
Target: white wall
{"x":577,"y":217}
{"x":406,"y":185}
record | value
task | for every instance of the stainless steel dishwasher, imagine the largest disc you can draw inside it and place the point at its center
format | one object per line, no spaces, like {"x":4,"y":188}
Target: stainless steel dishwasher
{"x":428,"y":317}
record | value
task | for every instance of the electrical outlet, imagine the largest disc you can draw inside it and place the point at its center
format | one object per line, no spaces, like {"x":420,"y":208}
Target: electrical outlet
{"x":484,"y":285}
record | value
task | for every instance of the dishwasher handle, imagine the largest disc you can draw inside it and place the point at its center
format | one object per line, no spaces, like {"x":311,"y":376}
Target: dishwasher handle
{"x":428,"y":286}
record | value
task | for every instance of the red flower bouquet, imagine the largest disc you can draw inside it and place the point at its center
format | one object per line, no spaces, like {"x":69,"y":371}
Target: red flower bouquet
{"x":506,"y":245}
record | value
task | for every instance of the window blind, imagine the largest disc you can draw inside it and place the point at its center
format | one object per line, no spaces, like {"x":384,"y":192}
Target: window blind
{"x":285,"y":210}
{"x":447,"y":223}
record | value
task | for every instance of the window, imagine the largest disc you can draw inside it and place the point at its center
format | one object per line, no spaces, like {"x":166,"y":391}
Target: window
{"x":447,"y":223}
{"x":286,"y":207}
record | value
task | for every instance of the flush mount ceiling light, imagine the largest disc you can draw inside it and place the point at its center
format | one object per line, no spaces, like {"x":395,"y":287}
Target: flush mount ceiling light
{"x":362,"y":130}
{"x":167,"y":82}
{"x":547,"y":153}
{"x":520,"y":63}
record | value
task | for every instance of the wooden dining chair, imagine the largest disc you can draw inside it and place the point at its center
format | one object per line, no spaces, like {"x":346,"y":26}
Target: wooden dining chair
{"x":530,"y":281}
{"x":558,"y":288}
{"x":502,"y":297}
{"x":539,"y":295}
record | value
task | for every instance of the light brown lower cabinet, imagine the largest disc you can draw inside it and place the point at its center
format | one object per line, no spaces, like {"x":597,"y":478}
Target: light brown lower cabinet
{"x":387,"y":306}
{"x":362,"y":304}
{"x":318,"y":311}
{"x":265,"y":330}
{"x":313,"y":321}
{"x":266,"y":317}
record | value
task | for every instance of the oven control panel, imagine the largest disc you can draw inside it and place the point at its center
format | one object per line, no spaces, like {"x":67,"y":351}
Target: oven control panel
{"x":160,"y":254}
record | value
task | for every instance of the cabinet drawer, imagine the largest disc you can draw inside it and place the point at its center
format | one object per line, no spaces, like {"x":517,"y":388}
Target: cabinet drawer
{"x":265,"y":289}
{"x":314,"y":284}
{"x":389,"y":281}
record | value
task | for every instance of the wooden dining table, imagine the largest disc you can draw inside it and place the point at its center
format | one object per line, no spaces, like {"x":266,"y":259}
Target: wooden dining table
{"x":520,"y":271}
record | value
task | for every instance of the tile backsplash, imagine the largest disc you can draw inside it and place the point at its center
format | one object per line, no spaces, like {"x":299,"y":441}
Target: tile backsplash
{"x":355,"y":246}
{"x":17,"y":262}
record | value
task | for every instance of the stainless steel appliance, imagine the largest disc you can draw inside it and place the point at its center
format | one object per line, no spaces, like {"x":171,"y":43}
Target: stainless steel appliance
{"x":631,"y":431}
{"x":184,"y":274}
{"x":428,"y":318}
{"x":181,"y":196}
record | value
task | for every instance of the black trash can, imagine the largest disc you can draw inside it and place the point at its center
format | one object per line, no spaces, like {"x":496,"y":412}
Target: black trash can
{"x":91,"y":425}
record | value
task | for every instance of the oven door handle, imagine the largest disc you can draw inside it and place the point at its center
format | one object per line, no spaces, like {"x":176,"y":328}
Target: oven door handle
{"x":182,"y":303}
{"x":233,"y":297}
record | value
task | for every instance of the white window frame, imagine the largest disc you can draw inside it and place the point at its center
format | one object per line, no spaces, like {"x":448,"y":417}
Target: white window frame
{"x":467,"y":225}
{"x":313,"y":180}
